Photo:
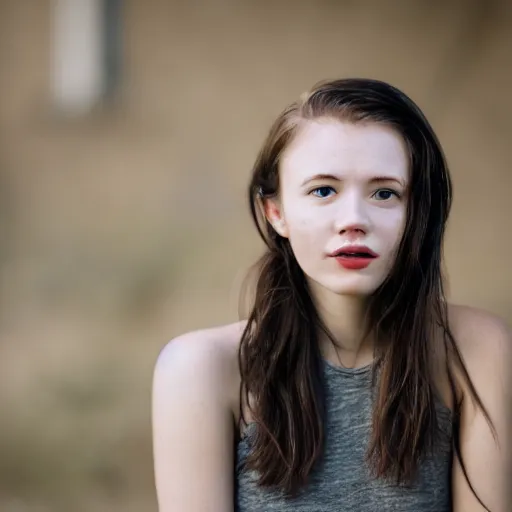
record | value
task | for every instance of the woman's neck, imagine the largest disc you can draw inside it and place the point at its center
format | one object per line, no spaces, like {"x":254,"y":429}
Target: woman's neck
{"x":344,"y":318}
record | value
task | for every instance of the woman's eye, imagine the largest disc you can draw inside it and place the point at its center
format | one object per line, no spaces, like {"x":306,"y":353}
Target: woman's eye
{"x":384,"y":194}
{"x":322,"y":191}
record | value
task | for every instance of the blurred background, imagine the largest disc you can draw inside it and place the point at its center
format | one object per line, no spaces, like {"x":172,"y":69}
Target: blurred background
{"x":128,"y":129}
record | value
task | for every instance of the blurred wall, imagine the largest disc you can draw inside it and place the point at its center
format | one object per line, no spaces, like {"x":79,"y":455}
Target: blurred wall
{"x":125,"y":226}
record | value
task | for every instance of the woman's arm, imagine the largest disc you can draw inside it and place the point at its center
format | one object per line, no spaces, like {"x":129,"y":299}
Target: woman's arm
{"x":193,"y":427}
{"x":486,"y":345}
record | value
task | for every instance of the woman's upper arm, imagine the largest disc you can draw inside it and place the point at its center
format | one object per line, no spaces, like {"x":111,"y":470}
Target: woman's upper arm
{"x":486,"y":459}
{"x":193,"y":428}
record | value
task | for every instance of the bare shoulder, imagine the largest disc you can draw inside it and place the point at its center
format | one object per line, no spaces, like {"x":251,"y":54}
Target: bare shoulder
{"x":484,"y":341}
{"x":194,"y":384}
{"x":210,"y":354}
{"x":479,"y":333}
{"x":485,"y":344}
{"x":213,"y":346}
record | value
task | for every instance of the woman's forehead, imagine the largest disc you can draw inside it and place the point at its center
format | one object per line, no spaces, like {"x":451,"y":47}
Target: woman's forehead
{"x":329,"y":146}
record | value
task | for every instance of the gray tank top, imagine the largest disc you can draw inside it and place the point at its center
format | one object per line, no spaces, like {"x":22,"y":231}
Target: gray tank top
{"x":341,"y":481}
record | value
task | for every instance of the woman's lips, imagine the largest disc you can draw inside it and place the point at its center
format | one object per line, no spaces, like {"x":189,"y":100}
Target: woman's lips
{"x":354,"y":262}
{"x":354,"y":257}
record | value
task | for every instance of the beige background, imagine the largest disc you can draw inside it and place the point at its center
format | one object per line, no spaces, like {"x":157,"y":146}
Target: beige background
{"x":125,"y":227}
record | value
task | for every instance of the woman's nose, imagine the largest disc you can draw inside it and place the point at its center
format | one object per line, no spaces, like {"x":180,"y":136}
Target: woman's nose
{"x":352,"y":215}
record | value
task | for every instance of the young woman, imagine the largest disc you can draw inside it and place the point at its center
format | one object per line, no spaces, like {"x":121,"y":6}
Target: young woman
{"x":352,"y":385}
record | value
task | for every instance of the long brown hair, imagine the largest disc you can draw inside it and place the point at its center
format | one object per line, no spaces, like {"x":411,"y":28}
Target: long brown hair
{"x":279,"y":355}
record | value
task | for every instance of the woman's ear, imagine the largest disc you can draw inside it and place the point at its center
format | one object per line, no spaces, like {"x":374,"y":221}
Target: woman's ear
{"x":274,"y":214}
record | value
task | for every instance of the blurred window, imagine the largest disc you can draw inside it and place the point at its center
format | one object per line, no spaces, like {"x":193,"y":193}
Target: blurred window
{"x":86,"y":53}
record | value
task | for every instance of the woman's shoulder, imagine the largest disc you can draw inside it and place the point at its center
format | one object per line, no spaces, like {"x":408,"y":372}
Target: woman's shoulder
{"x":477,"y":331}
{"x":484,"y":341}
{"x":205,"y":357}
{"x":192,"y":421}
{"x":214,"y":343}
{"x":477,"y":335}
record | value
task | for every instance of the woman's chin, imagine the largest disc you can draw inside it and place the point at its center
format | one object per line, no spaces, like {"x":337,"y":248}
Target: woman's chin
{"x":354,"y":287}
{"x":357,"y":285}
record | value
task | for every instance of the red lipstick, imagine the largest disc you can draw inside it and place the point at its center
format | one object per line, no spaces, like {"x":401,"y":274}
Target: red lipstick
{"x":354,"y":257}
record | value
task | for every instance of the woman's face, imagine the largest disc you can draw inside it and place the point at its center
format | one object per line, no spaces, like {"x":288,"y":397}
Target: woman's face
{"x":343,"y":184}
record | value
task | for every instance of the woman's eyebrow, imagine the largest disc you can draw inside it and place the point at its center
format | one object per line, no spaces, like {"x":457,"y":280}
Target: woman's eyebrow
{"x":397,"y":179}
{"x":334,"y":177}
